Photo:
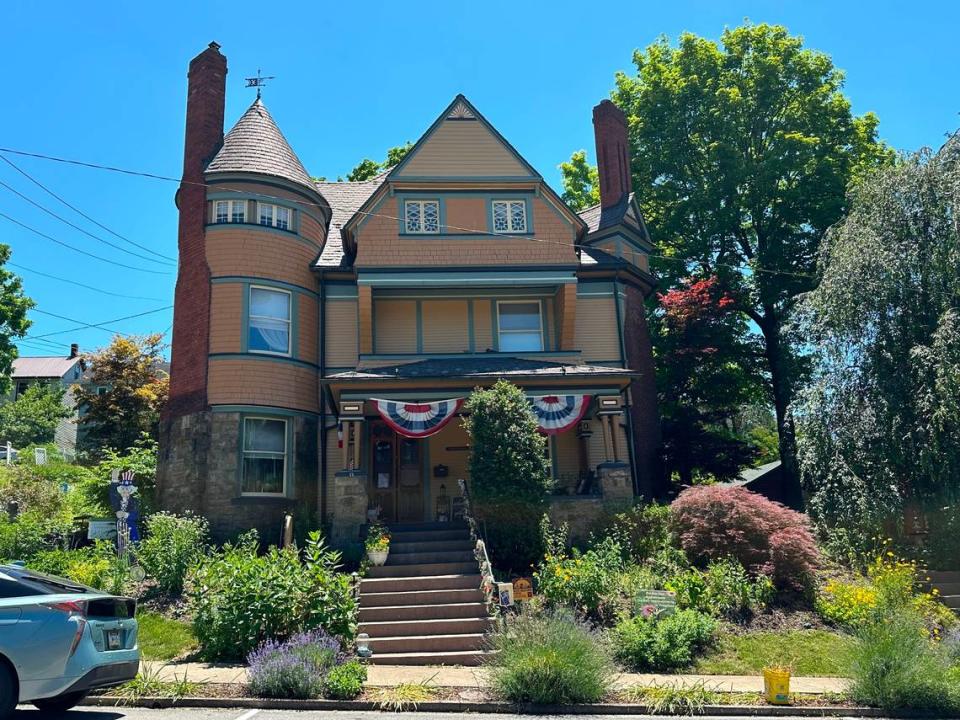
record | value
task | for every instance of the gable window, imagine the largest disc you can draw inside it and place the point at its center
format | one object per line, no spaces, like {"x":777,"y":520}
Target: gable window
{"x":519,"y":325}
{"x":509,"y":216}
{"x":274,"y":215}
{"x":264,"y":457}
{"x":230,"y":211}
{"x":421,"y":216}
{"x":269,"y":321}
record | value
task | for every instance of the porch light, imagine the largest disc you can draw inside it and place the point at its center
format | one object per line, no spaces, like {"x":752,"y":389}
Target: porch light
{"x":363,"y":645}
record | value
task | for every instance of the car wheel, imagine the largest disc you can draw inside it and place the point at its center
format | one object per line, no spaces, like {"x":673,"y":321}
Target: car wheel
{"x":60,"y":703}
{"x":8,"y":691}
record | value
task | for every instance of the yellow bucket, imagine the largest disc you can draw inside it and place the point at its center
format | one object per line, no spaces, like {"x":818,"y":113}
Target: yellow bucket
{"x":776,"y":686}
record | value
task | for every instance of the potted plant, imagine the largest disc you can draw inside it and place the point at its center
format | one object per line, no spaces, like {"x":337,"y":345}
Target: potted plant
{"x":378,"y":543}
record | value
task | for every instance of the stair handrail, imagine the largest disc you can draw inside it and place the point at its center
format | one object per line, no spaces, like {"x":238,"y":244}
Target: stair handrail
{"x":488,"y":582}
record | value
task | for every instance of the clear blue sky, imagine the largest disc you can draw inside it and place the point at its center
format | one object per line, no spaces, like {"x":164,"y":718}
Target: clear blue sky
{"x":105,"y":82}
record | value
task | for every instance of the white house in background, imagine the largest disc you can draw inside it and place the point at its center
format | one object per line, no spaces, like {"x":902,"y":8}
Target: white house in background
{"x":67,"y":370}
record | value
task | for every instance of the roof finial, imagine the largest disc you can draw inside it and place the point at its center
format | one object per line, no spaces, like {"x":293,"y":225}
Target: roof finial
{"x":259,"y":81}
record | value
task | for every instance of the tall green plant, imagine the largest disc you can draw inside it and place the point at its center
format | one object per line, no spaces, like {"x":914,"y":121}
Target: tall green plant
{"x":33,"y":417}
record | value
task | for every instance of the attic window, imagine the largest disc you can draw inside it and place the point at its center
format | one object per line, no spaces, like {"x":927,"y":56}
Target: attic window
{"x":274,"y":215}
{"x":422,"y":216}
{"x":230,"y":211}
{"x":509,"y":216}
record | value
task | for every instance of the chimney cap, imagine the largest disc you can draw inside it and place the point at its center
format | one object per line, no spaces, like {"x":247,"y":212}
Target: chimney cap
{"x":214,"y":45}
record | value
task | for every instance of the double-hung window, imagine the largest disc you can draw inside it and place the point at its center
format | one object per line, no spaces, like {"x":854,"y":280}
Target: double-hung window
{"x":509,"y":216}
{"x":230,"y":211}
{"x":264,"y":457}
{"x":274,"y":215}
{"x":421,"y":216}
{"x":520,"y":327}
{"x":269,"y":319}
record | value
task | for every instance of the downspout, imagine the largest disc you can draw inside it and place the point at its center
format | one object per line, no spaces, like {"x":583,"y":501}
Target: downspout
{"x":623,"y":359}
{"x":323,"y":400}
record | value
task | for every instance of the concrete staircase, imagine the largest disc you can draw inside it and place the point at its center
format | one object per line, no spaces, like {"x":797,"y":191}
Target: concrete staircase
{"x":948,"y":583}
{"x":425,"y":606}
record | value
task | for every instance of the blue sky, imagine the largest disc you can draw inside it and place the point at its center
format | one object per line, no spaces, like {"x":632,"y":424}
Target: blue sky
{"x":105,"y":82}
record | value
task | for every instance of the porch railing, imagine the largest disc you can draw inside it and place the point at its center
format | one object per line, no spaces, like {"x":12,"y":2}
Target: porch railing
{"x":488,"y":583}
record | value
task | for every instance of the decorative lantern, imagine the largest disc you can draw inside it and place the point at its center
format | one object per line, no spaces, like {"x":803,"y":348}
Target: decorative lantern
{"x":443,"y":505}
{"x":363,"y":645}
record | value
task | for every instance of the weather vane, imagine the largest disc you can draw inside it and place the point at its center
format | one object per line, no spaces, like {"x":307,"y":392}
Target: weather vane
{"x":259,"y":81}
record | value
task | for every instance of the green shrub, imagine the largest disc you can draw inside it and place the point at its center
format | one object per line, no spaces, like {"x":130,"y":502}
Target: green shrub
{"x":171,"y":547}
{"x":32,"y":532}
{"x":345,"y":682}
{"x":662,"y":643}
{"x":723,"y":589}
{"x":239,"y":598}
{"x":550,"y":659}
{"x":94,"y":565}
{"x":642,"y":531}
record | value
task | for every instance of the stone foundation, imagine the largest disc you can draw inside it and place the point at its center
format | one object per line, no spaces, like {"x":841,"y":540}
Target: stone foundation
{"x":348,"y":500}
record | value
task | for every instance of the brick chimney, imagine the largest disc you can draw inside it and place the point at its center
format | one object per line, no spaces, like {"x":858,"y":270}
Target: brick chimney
{"x":206,"y":94}
{"x":613,"y":153}
{"x":74,"y":350}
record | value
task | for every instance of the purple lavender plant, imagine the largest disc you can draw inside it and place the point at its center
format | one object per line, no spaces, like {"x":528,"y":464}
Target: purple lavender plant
{"x":294,"y":668}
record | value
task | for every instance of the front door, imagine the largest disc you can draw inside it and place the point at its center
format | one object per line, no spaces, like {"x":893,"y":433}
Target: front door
{"x":396,"y":477}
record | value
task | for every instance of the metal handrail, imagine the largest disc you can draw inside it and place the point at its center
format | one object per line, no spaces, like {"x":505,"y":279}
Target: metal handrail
{"x":488,"y":582}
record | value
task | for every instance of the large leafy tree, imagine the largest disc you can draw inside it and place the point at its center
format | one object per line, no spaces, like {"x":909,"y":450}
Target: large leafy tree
{"x":880,"y":422}
{"x":742,"y":153}
{"x":13,"y":317}
{"x":368,"y":168}
{"x":135,"y":389}
{"x":33,"y":417}
{"x":581,"y":182}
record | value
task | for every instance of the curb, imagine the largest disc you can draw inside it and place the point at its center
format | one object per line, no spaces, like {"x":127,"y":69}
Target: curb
{"x":160,"y":703}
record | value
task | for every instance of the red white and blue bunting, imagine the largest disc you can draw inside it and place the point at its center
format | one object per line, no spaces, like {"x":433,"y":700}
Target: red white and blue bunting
{"x":558,"y":413}
{"x":417,"y":420}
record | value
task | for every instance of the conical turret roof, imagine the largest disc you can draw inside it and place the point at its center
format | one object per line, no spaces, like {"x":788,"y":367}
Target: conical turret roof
{"x":256,"y":145}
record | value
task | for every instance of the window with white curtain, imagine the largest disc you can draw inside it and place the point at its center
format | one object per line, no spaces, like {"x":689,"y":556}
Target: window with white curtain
{"x":519,"y":325}
{"x":269,"y":319}
{"x":264,"y":456}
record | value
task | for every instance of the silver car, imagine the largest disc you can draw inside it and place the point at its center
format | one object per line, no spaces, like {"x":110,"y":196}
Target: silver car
{"x":59,"y":640}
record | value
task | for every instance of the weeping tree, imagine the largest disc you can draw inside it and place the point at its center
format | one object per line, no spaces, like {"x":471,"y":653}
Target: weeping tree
{"x":879,"y":425}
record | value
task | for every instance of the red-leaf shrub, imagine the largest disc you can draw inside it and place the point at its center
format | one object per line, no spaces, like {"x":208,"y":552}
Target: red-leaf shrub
{"x":765,"y":537}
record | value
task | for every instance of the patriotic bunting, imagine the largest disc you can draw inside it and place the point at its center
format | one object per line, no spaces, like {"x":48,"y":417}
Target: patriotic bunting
{"x":417,"y":420}
{"x":557,"y":413}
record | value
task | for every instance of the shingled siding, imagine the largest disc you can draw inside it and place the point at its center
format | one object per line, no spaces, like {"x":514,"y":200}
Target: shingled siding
{"x":249,"y":251}
{"x":597,"y":333}
{"x":262,"y":381}
{"x":445,"y":327}
{"x":379,"y":243}
{"x":342,"y":339}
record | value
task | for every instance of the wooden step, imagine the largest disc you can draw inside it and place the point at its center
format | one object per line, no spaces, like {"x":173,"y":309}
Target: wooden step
{"x":456,"y":581}
{"x":428,"y":643}
{"x":430,"y":546}
{"x":423,"y":569}
{"x":442,"y":626}
{"x":414,"y":536}
{"x":424,"y":611}
{"x":451,"y":657}
{"x":415,"y":598}
{"x":431,"y":558}
{"x":951,"y":601}
{"x":427,"y":527}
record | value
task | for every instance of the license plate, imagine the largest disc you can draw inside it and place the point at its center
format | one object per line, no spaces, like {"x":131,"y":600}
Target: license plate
{"x":114,"y":638}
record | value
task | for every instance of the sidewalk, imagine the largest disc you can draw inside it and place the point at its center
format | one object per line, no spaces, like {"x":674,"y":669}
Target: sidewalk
{"x":465,"y":677}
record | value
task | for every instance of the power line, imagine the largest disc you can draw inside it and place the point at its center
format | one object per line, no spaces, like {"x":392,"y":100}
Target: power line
{"x":79,"y":211}
{"x":81,"y":251}
{"x":99,"y":326}
{"x":80,"y":229}
{"x":673,"y":258}
{"x":79,"y":284}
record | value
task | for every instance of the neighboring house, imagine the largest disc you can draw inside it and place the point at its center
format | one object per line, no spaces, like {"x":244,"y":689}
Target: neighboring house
{"x":66,"y":370}
{"x":324,"y":332}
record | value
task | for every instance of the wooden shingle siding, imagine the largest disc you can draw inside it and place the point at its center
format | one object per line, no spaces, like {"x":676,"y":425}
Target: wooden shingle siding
{"x":461,"y":149}
{"x":251,"y":252}
{"x":482,"y":325}
{"x":238,"y":381}
{"x":341,"y":345}
{"x":308,"y":328}
{"x":445,"y":326}
{"x":596,"y":323}
{"x":395,"y":323}
{"x":226,"y":317}
{"x":567,"y":454}
{"x":466,"y":215}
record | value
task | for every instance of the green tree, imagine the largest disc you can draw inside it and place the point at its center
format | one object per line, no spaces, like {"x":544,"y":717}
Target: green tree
{"x":742,"y":154}
{"x":13,"y":317}
{"x":581,"y":183}
{"x":33,"y":417}
{"x":880,"y":421}
{"x":509,"y":472}
{"x":136,"y":389}
{"x":368,"y":168}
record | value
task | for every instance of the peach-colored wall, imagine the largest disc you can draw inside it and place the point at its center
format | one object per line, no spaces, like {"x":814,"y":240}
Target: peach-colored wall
{"x":250,"y":252}
{"x":236,"y":381}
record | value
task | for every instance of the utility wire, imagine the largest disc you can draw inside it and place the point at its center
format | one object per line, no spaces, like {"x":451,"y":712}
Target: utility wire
{"x":80,"y":212}
{"x":81,"y":251}
{"x":99,"y":326}
{"x":79,"y":284}
{"x":672,"y":258}
{"x":80,"y":229}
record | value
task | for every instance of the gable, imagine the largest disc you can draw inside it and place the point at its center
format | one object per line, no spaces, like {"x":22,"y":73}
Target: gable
{"x":462,"y":144}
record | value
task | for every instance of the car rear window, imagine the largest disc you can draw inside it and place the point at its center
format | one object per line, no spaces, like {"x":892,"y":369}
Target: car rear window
{"x":26,"y":582}
{"x":12,"y":589}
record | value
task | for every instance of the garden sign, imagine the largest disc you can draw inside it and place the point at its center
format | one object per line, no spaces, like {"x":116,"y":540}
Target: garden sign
{"x":655,"y":602}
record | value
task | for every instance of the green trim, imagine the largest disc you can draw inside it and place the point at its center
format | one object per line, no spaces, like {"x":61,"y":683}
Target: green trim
{"x":289,"y":234}
{"x":245,"y":319}
{"x":544,"y":327}
{"x":295,"y":205}
{"x":522,"y":192}
{"x":472,"y":343}
{"x":467,"y":178}
{"x":465,"y":293}
{"x":262,"y":409}
{"x":488,"y":235}
{"x":263,"y":356}
{"x":617,"y":302}
{"x":467,"y":268}
{"x":494,"y":325}
{"x":457,"y":279}
{"x":419,"y":326}
{"x":253,"y":280}
{"x":342,"y":292}
{"x":294,"y":324}
{"x":465,"y":390}
{"x":442,"y":356}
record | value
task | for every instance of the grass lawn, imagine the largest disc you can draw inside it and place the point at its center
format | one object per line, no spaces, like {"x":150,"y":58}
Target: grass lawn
{"x":806,"y":652}
{"x":162,"y":638}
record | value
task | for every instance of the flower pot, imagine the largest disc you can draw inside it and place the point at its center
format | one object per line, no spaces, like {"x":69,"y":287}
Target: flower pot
{"x":377,"y":557}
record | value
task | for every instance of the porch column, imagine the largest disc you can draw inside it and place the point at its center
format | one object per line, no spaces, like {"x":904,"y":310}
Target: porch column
{"x":614,"y":420}
{"x":356,"y":444}
{"x":348,"y":509}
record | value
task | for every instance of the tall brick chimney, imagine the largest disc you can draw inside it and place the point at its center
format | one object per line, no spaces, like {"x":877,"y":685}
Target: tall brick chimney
{"x":613,"y":153}
{"x":206,"y":94}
